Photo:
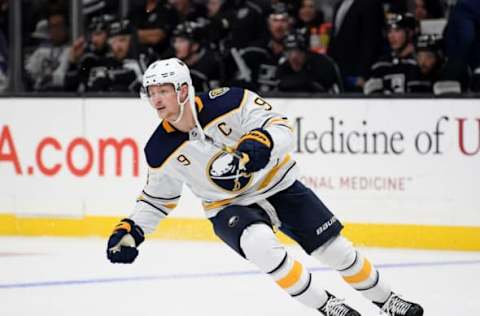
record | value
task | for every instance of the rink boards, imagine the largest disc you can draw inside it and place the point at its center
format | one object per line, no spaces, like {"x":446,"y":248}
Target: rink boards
{"x":399,"y":173}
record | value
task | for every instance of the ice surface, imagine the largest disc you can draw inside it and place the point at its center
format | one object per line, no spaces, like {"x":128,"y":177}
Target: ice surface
{"x":72,"y":277}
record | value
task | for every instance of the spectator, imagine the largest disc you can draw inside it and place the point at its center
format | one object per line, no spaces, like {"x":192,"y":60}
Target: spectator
{"x":84,"y":56}
{"x":203,"y":64}
{"x":95,"y":8}
{"x":4,"y":11}
{"x":154,"y":20}
{"x":395,"y":6}
{"x":428,"y":9}
{"x":394,"y":72}
{"x":3,"y":63}
{"x":120,"y":71}
{"x":292,"y":6}
{"x":187,"y":10}
{"x":356,"y":40}
{"x":257,"y":64}
{"x":429,"y":57}
{"x":304,"y":71}
{"x":47,"y":66}
{"x":462,"y":48}
{"x":219,"y":16}
{"x":3,"y":45}
{"x":234,"y":25}
{"x":246,"y":23}
{"x":308,"y":16}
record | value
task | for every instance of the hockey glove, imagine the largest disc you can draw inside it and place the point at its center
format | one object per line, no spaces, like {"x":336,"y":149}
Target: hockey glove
{"x":123,"y":243}
{"x":257,"y":144}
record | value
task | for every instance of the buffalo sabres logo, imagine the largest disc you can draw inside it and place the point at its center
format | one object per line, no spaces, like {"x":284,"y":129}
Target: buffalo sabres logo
{"x":224,"y":171}
{"x":217,"y":92}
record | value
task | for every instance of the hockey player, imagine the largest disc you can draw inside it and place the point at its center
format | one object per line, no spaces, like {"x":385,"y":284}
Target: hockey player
{"x":233,"y":151}
{"x":394,"y":72}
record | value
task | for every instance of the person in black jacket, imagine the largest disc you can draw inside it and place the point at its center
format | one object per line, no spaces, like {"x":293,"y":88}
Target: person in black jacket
{"x":395,"y":72}
{"x":429,"y":55}
{"x":462,"y":49}
{"x":356,"y":39}
{"x":204,"y":65}
{"x":154,"y":21}
{"x":84,"y":56}
{"x":120,"y":71}
{"x":257,"y":64}
{"x":305,"y":71}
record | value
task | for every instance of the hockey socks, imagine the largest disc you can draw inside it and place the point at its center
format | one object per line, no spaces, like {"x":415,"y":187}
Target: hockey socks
{"x":262,"y":248}
{"x":356,"y":270}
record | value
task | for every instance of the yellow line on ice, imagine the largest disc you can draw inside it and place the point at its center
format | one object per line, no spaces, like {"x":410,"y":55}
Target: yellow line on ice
{"x":371,"y":235}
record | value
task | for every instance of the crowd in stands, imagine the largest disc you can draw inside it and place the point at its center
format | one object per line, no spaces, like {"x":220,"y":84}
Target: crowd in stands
{"x":375,"y":47}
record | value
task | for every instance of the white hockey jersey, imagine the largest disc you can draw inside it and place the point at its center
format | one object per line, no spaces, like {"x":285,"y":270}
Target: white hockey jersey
{"x":216,"y":177}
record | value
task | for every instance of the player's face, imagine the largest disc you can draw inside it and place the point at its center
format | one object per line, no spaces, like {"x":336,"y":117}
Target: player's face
{"x":163,"y":99}
{"x":426,"y":61}
{"x":397,"y":38}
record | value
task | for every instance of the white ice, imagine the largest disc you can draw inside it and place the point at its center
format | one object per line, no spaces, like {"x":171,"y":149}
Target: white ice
{"x":72,"y":277}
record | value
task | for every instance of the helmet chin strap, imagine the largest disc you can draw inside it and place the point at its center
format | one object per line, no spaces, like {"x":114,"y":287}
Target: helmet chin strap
{"x":182,"y":108}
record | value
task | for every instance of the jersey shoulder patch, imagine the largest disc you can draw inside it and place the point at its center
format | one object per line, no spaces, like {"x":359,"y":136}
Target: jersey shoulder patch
{"x":217,"y":92}
{"x":161,"y":145}
{"x":220,"y":101}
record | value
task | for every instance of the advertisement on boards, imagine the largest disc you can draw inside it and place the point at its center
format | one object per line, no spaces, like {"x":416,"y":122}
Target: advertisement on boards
{"x":370,"y":160}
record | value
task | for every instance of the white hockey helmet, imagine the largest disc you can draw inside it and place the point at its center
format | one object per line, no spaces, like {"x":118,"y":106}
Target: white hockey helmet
{"x":173,"y":71}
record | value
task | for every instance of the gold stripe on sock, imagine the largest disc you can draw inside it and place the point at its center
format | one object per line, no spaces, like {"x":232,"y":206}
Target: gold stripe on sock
{"x":362,"y":275}
{"x":292,"y":277}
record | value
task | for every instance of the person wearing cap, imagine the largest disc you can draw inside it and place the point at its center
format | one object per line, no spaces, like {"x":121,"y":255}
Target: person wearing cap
{"x":84,"y":55}
{"x":394,"y":71}
{"x":120,"y":71}
{"x":429,"y":56}
{"x":257,"y":64}
{"x":305,"y":71}
{"x":203,"y":63}
{"x":47,"y":65}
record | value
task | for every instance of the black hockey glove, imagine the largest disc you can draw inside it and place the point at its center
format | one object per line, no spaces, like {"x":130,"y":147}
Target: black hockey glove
{"x":123,"y":243}
{"x":257,"y":144}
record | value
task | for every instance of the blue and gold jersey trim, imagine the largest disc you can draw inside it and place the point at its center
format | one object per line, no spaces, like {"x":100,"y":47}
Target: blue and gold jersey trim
{"x":219,"y":102}
{"x":163,"y":143}
{"x":210,"y":106}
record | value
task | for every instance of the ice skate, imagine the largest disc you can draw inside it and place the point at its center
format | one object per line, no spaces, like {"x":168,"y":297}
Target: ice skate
{"x":396,"y":306}
{"x":335,"y":307}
